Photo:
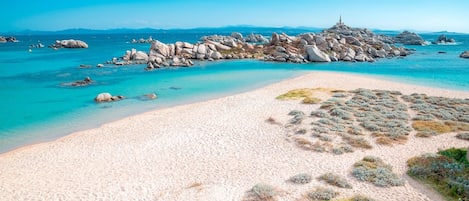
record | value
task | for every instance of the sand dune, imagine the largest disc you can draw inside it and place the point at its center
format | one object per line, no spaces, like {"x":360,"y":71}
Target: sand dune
{"x":213,"y":150}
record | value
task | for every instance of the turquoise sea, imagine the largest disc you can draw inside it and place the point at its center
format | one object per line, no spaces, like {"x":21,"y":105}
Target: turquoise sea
{"x":35,"y":106}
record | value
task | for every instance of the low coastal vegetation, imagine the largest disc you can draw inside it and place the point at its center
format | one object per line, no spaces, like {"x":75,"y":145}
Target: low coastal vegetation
{"x":357,"y":198}
{"x":463,"y":136}
{"x":447,"y":172}
{"x":306,"y":95}
{"x":335,"y":180}
{"x":374,"y":170}
{"x":302,"y":178}
{"x":363,"y":118}
{"x":261,"y":192}
{"x":320,"y":193}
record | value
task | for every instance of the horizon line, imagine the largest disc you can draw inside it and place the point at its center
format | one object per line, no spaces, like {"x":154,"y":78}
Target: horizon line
{"x":214,"y":27}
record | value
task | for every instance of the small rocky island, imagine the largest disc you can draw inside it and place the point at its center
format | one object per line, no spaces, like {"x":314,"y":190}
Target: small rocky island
{"x":71,"y":43}
{"x":465,"y":54}
{"x":8,"y":39}
{"x":338,"y":43}
{"x":443,"y":40}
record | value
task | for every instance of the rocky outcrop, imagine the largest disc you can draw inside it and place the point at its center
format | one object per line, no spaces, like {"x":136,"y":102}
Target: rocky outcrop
{"x":255,"y":38}
{"x":8,"y":39}
{"x":465,"y":54}
{"x":316,"y":55}
{"x":107,"y":97}
{"x":339,"y":43}
{"x":443,"y":39}
{"x":409,"y":38}
{"x":71,"y":43}
{"x":134,"y":55}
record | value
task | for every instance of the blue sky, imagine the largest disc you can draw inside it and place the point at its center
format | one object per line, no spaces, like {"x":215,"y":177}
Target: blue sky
{"x":49,"y":15}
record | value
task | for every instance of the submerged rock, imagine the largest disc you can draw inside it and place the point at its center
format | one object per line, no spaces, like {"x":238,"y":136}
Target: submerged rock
{"x":84,"y":82}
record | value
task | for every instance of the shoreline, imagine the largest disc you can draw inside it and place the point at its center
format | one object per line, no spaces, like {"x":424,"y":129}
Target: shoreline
{"x":215,"y":124}
{"x":385,"y":78}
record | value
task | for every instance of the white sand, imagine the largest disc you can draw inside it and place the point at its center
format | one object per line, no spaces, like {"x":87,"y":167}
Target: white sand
{"x":220,"y":147}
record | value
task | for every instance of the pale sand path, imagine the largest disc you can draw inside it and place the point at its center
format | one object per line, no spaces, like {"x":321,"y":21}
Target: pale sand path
{"x":223,"y":144}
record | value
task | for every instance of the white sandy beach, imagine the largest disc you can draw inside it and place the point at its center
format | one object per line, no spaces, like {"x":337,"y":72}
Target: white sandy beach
{"x":213,"y":150}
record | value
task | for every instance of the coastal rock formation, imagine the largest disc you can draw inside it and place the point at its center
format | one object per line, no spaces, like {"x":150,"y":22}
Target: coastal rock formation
{"x":107,"y":97}
{"x":71,"y":43}
{"x":443,"y":39}
{"x":255,"y":38}
{"x":338,"y":43}
{"x":465,"y":54}
{"x":316,"y":55}
{"x":8,"y":39}
{"x":133,"y":55}
{"x":409,"y":38}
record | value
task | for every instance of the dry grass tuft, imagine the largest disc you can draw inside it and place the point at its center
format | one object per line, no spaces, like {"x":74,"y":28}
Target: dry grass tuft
{"x":335,"y":180}
{"x":435,"y":126}
{"x":306,"y":94}
{"x":272,"y":120}
{"x":383,"y":139}
{"x":358,"y":142}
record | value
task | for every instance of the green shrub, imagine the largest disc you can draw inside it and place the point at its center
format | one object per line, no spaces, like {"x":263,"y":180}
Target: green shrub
{"x":457,"y":154}
{"x":447,"y":172}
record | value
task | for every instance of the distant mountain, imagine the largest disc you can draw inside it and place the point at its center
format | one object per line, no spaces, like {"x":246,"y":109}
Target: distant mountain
{"x":245,"y":29}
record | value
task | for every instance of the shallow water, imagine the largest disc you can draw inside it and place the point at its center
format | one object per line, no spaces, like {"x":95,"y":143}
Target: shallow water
{"x":36,"y":106}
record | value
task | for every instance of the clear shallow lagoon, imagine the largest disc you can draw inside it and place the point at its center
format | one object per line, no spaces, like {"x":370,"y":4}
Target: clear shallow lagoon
{"x":36,"y":107}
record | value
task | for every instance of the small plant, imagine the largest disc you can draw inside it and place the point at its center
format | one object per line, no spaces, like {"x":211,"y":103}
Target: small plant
{"x":463,"y":136}
{"x":271,"y":120}
{"x":335,"y":180}
{"x":321,"y":194}
{"x":357,"y":198}
{"x":302,"y":178}
{"x":374,"y":170}
{"x":261,"y":192}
